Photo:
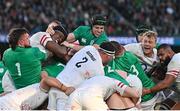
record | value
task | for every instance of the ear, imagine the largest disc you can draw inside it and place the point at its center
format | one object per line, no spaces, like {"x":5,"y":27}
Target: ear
{"x":20,"y":42}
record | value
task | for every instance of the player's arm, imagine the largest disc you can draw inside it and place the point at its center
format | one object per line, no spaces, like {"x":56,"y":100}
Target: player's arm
{"x":59,"y":51}
{"x":169,"y":79}
{"x":71,"y":38}
{"x":127,"y":91}
{"x":48,"y":82}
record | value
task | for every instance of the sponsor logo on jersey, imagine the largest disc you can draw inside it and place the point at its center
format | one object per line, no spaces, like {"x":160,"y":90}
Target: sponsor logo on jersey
{"x":90,"y":55}
{"x":83,"y":40}
{"x":1,"y":70}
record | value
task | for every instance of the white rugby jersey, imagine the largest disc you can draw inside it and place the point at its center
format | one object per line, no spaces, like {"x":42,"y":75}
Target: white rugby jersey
{"x":173,"y":69}
{"x":146,"y":62}
{"x":84,"y":64}
{"x":174,"y":66}
{"x":40,"y":40}
{"x":101,"y":86}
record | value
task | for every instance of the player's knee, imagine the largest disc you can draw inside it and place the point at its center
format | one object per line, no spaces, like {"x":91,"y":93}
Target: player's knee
{"x":165,"y":105}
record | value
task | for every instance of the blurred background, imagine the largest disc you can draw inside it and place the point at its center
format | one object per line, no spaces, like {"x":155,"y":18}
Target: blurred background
{"x":123,"y":17}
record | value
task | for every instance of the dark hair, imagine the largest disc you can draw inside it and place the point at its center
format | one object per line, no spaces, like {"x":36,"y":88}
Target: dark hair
{"x":118,"y":47}
{"x":14,"y":36}
{"x":164,"y":46}
{"x":61,"y":29}
{"x":142,"y":29}
{"x":98,"y":20}
{"x":107,"y":47}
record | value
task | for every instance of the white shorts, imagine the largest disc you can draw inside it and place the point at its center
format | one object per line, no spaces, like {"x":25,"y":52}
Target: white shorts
{"x":31,"y":95}
{"x":57,"y":99}
{"x":82,"y":100}
{"x":7,"y":83}
{"x":149,"y":105}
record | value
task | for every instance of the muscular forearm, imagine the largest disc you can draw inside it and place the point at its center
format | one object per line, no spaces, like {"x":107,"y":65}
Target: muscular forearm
{"x":169,"y":79}
{"x":160,"y":86}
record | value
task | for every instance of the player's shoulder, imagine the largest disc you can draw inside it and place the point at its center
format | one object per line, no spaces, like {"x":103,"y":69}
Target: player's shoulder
{"x":176,"y":57}
{"x":133,"y":44}
{"x":84,"y":27}
{"x":7,"y":51}
{"x":130,"y":55}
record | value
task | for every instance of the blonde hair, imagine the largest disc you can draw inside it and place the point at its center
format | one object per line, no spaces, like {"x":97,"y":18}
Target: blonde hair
{"x":150,"y":34}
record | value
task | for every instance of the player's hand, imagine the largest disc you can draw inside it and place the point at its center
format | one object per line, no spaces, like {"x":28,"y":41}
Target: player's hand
{"x":69,"y":90}
{"x":50,"y":30}
{"x":65,"y":43}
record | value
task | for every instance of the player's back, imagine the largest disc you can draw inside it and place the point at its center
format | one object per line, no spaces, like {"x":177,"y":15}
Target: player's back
{"x":84,"y":64}
{"x":101,"y":86}
{"x":24,"y":65}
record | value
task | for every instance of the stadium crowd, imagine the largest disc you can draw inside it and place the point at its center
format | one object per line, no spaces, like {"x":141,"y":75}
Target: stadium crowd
{"x":123,"y":15}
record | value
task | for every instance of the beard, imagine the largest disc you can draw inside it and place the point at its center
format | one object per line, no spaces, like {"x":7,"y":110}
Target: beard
{"x":167,"y":60}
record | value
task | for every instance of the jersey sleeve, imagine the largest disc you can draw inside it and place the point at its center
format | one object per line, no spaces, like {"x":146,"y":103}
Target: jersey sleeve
{"x":174,"y":66}
{"x":40,"y":39}
{"x":78,"y":32}
{"x":44,"y":38}
{"x":39,"y":54}
{"x":120,"y":87}
{"x":134,"y":48}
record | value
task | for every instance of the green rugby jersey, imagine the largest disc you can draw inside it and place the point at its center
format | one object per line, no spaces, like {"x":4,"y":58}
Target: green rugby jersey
{"x":130,"y":64}
{"x":85,"y":36}
{"x":54,"y":69}
{"x":24,"y":65}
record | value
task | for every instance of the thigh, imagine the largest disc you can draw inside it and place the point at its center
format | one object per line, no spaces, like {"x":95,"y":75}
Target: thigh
{"x":73,"y":102}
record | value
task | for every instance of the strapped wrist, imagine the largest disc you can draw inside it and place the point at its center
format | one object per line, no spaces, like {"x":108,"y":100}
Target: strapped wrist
{"x":71,"y":46}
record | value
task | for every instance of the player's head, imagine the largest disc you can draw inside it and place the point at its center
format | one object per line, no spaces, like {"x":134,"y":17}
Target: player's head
{"x":54,"y":23}
{"x":119,"y":49}
{"x":165,"y":53}
{"x":107,"y":52}
{"x":98,"y":23}
{"x":60,"y":34}
{"x":18,"y":37}
{"x":51,"y":25}
{"x":140,"y":30}
{"x":149,"y":42}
